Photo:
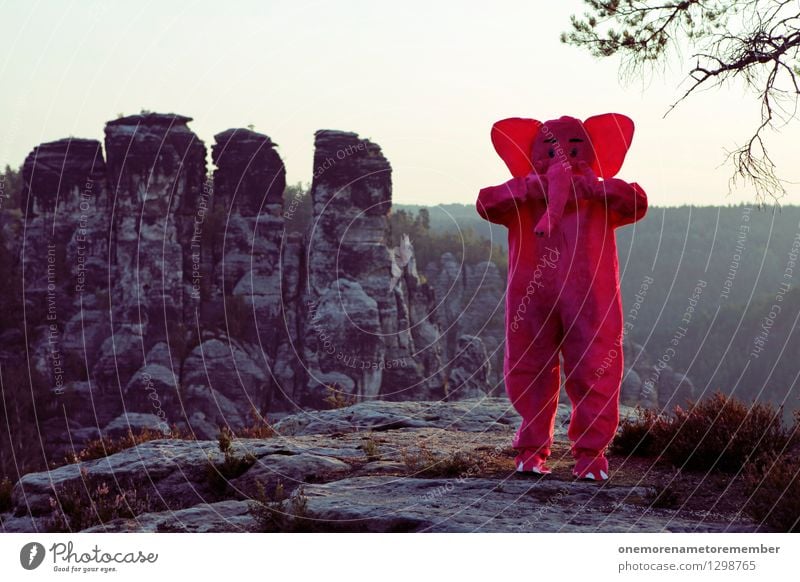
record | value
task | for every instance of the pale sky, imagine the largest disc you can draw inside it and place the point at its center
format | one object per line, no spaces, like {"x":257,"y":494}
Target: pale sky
{"x":423,"y":79}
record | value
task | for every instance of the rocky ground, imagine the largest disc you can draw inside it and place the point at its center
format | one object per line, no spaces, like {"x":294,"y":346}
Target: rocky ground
{"x":379,"y":467}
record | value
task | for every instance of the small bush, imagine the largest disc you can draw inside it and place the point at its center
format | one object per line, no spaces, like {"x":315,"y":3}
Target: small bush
{"x":720,"y":432}
{"x":232,"y":466}
{"x":94,"y":501}
{"x":371,"y":448}
{"x":638,"y":436}
{"x":279,"y":512}
{"x":724,"y":433}
{"x":259,"y":429}
{"x":337,"y":398}
{"x":225,"y":439}
{"x":5,"y":494}
{"x":774,"y":489}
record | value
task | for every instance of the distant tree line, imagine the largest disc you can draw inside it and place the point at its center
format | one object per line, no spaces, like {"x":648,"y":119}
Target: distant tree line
{"x":10,"y":188}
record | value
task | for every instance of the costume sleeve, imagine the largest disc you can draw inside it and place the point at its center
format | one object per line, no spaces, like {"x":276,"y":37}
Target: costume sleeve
{"x":499,"y":204}
{"x":626,"y":203}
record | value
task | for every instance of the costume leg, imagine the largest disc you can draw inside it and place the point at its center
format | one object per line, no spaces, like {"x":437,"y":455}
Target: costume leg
{"x":593,"y":365}
{"x":532,"y":378}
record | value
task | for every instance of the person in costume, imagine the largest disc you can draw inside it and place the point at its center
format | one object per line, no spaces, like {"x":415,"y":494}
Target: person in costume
{"x":561,"y":208}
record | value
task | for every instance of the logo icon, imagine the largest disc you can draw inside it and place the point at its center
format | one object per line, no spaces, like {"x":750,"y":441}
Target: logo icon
{"x":31,"y":555}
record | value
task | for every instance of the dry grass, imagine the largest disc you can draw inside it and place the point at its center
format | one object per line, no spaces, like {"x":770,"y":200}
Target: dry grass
{"x":279,"y":512}
{"x":423,"y":463}
{"x":103,"y":447}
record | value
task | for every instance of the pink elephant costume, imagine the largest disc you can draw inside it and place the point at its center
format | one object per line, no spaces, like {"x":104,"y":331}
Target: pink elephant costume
{"x":563,"y":278}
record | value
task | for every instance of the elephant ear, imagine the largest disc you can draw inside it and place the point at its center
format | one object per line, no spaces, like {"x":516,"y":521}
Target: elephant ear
{"x":611,"y":135}
{"x":512,"y":139}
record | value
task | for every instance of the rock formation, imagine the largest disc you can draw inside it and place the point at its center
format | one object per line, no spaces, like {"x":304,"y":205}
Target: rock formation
{"x":470,"y":301}
{"x":652,"y":385}
{"x":359,"y":336}
{"x":470,"y":370}
{"x":157,"y":169}
{"x":63,"y":253}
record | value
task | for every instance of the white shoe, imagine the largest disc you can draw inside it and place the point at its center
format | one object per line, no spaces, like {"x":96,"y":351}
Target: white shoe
{"x":536,"y":470}
{"x":590,"y":476}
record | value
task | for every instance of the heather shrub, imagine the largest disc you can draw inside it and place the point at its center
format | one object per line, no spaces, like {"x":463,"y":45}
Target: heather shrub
{"x":717,"y":433}
{"x":637,"y":436}
{"x":723,"y":433}
{"x":94,"y":500}
{"x":774,"y":489}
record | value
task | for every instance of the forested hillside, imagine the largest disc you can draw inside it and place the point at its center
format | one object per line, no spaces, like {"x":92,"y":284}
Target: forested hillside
{"x":699,"y":285}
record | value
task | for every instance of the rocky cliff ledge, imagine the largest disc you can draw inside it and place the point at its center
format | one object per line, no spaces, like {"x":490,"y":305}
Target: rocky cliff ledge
{"x":374,"y":466}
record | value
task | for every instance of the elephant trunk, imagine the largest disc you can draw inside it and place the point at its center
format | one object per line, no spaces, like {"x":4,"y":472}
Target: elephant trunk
{"x":559,"y":184}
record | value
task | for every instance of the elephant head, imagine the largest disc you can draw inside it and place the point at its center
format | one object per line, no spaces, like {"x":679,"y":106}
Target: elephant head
{"x":561,"y":148}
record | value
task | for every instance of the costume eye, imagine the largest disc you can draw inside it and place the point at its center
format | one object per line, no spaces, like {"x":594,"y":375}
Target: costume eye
{"x":573,"y":152}
{"x":551,"y":152}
